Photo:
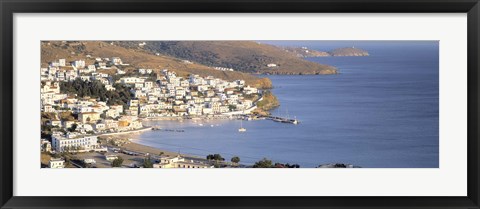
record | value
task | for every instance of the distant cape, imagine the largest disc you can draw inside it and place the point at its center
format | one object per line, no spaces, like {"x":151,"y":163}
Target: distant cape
{"x":348,"y":51}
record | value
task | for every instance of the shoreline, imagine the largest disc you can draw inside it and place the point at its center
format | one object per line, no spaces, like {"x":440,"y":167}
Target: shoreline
{"x":215,"y":117}
{"x":137,"y":147}
{"x":126,"y":132}
{"x":134,"y":146}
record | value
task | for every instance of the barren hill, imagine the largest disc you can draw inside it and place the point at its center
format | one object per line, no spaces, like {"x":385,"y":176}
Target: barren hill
{"x":305,"y":52}
{"x":244,"y":56}
{"x":349,"y":51}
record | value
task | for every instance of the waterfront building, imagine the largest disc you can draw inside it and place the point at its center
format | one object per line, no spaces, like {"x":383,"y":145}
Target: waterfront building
{"x":71,"y":141}
{"x":179,"y":162}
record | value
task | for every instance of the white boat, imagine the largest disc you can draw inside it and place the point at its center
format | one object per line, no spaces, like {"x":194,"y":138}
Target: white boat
{"x":295,"y":121}
{"x":241,"y":129}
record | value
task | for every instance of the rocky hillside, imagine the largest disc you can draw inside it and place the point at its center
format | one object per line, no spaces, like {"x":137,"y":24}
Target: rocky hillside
{"x":138,"y":58}
{"x":349,"y":51}
{"x":243,"y":56}
{"x":305,"y":52}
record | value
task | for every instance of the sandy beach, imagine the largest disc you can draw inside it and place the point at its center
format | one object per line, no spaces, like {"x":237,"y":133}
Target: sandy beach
{"x":136,"y":147}
{"x":132,"y":146}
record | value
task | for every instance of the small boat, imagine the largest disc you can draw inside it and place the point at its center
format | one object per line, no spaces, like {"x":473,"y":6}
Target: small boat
{"x":295,"y":121}
{"x":211,"y":125}
{"x":241,"y":129}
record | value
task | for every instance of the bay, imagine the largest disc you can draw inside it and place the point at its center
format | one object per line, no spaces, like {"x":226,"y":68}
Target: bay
{"x":380,"y":111}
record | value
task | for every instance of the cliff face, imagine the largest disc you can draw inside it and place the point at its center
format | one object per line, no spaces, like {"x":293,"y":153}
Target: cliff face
{"x":349,"y":51}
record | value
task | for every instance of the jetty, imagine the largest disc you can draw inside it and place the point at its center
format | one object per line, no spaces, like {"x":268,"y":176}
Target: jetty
{"x":168,"y":130}
{"x":282,"y":119}
{"x":273,"y":118}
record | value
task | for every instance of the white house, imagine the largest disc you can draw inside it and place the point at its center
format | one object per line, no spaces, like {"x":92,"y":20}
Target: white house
{"x":61,"y":62}
{"x":131,"y":80}
{"x":272,"y":65}
{"x":250,"y":90}
{"x":56,"y":163}
{"x":116,"y":60}
{"x":79,"y":64}
{"x":48,"y":108}
{"x":99,"y":126}
{"x":112,"y":113}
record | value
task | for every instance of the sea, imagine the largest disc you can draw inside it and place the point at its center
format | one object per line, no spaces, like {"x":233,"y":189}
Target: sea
{"x":380,"y":111}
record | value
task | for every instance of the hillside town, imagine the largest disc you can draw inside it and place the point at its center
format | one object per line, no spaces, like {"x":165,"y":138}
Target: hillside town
{"x":84,"y":99}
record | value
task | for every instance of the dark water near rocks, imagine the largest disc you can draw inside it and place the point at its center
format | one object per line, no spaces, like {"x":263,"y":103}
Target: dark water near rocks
{"x":381,"y":111}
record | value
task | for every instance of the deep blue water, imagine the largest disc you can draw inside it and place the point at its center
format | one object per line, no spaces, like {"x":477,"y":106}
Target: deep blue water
{"x":380,"y":111}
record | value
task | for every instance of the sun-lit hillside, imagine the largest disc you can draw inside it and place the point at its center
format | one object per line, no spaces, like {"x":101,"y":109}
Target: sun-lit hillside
{"x":138,"y":58}
{"x":244,"y":56}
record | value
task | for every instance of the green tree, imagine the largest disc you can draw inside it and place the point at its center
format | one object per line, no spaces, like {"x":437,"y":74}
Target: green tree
{"x":216,"y":157}
{"x":73,"y":127}
{"x":264,"y":163}
{"x":95,"y":89}
{"x":147,"y":162}
{"x":117,"y":162}
{"x":232,"y":107}
{"x":235,"y":160}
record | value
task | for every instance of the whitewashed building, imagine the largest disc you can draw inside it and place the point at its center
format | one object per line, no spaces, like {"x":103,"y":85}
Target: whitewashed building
{"x":72,"y":141}
{"x":56,"y":163}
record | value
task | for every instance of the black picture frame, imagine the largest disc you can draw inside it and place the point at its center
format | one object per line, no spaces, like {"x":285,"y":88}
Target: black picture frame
{"x":10,"y":7}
